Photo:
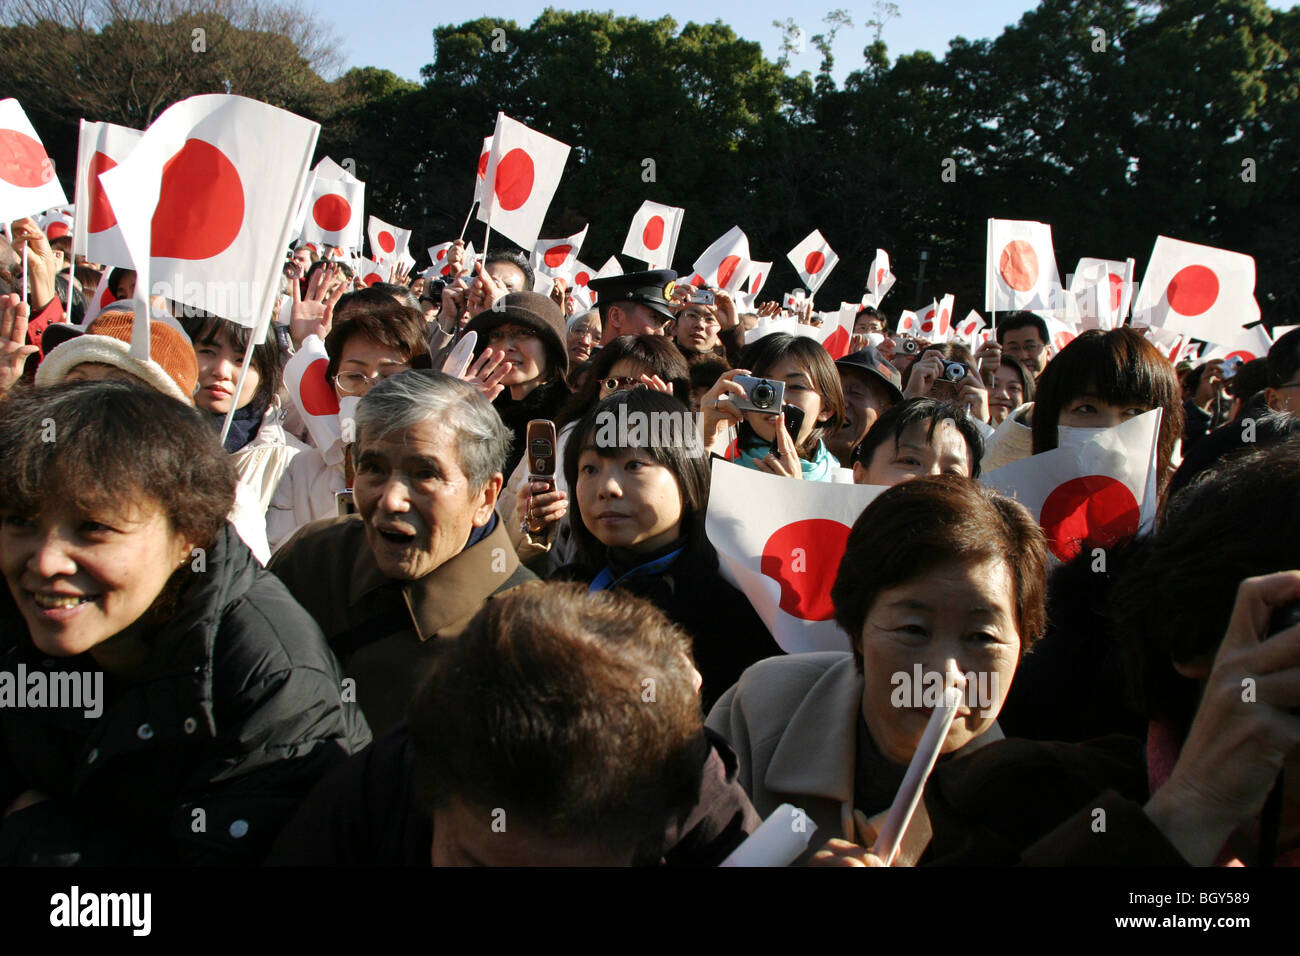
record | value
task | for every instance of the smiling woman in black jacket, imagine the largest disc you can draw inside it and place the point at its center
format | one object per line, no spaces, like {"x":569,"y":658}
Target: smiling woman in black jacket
{"x":640,"y":483}
{"x":176,"y":703}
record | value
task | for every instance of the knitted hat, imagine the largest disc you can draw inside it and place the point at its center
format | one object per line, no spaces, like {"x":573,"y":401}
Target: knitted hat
{"x":172,"y":368}
{"x":531,"y":310}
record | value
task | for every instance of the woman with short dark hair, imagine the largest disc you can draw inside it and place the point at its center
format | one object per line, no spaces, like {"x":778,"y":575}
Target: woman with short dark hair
{"x":941,"y":584}
{"x":209,"y":701}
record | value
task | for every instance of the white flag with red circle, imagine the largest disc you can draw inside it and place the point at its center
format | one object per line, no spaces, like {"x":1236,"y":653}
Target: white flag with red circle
{"x":371,"y":272}
{"x":968,"y":330}
{"x":315,"y":398}
{"x":27,"y":181}
{"x":1104,"y":288}
{"x":652,"y":237}
{"x":204,"y":205}
{"x":480,"y":171}
{"x":879,"y":281}
{"x":1020,"y":268}
{"x":1200,"y":290}
{"x":1093,"y":494}
{"x":725,"y":264}
{"x":523,"y":171}
{"x":1253,"y":343}
{"x":57,"y":223}
{"x":909,"y":323}
{"x":780,"y":541}
{"x":558,"y":258}
{"x":387,"y":243}
{"x":580,"y":287}
{"x":836,"y":332}
{"x":758,"y":273}
{"x":95,"y":235}
{"x":335,"y":211}
{"x":1059,"y":334}
{"x":936,"y":319}
{"x":813,"y":259}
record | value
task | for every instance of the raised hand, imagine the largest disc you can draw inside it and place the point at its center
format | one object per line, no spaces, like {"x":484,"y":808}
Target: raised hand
{"x":14,"y":349}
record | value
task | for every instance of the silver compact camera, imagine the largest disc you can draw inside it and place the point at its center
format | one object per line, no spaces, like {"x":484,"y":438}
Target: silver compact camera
{"x":761,"y":394}
{"x":955,"y":371}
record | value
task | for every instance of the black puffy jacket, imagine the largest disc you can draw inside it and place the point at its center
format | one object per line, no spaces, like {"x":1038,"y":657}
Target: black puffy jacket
{"x":201,"y":758}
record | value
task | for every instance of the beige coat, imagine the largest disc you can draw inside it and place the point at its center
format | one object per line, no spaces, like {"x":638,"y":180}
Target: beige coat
{"x":305,"y":493}
{"x":263,"y":461}
{"x":1012,"y":441}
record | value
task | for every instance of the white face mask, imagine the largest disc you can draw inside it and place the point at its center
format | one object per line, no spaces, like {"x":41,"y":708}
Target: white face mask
{"x":1068,"y":436}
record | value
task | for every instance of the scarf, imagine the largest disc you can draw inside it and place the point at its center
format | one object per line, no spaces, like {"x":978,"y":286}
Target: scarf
{"x":244,"y":427}
{"x":821,"y":468}
{"x":623,"y":564}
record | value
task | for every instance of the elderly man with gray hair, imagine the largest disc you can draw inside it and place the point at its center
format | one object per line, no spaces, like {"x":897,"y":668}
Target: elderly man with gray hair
{"x":425,"y":549}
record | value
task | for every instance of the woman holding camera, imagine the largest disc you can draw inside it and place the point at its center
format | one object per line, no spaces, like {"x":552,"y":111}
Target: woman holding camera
{"x":771,"y":441}
{"x":209,"y":702}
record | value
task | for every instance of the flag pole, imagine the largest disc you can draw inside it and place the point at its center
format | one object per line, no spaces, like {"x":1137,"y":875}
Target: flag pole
{"x":239,"y":386}
{"x":24,"y":272}
{"x":487,"y":234}
{"x":472,"y":207}
{"x":71,"y":271}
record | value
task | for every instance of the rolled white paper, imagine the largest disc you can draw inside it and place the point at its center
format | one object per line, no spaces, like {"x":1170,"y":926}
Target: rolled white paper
{"x":918,"y":771}
{"x":458,"y":360}
{"x":777,"y":842}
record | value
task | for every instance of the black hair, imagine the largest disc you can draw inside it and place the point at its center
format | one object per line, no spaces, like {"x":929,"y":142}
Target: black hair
{"x":762,"y":354}
{"x":268,"y":360}
{"x":655,"y":352}
{"x":1014,"y":321}
{"x":515,"y":259}
{"x":1284,"y":359}
{"x":930,"y":412}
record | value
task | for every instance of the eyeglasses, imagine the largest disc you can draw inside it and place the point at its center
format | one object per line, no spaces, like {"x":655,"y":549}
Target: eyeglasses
{"x":502,"y":334}
{"x":618,"y":384}
{"x":1033,"y":348}
{"x":352,"y":382}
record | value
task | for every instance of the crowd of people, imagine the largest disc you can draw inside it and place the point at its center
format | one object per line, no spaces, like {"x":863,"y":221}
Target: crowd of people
{"x":425,"y":649}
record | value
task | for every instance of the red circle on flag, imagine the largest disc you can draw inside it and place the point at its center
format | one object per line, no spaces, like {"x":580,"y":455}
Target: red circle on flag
{"x":837,"y":343}
{"x":653,"y":233}
{"x":446,"y":270}
{"x":318,"y":398}
{"x":1094,"y":511}
{"x":1193,"y":290}
{"x":482,"y":163}
{"x":555,"y":256}
{"x":56,"y":230}
{"x":514,"y":182}
{"x":1240,"y":354}
{"x":727,"y":269}
{"x":804,"y":557}
{"x":813,"y":263}
{"x":1061,"y":339}
{"x":697,"y":280}
{"x":23,"y":161}
{"x":200,"y":204}
{"x":442,"y":253}
{"x":386,"y":241}
{"x":880,"y":277}
{"x":1116,"y":291}
{"x":1018,"y":265}
{"x":372,"y":278}
{"x":581,"y":278}
{"x":756,"y":281}
{"x":332,"y":212}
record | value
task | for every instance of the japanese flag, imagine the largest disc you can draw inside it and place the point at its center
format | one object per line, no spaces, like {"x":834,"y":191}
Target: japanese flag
{"x":652,"y":237}
{"x":205,"y":206}
{"x":936,"y":319}
{"x":758,"y":272}
{"x":1105,"y":291}
{"x":1200,"y":290}
{"x":725,"y":264}
{"x":480,"y":172}
{"x":335,"y":209}
{"x":610,"y":268}
{"x":95,"y":235}
{"x":879,"y":281}
{"x":371,"y":272}
{"x":558,"y":257}
{"x":580,"y":289}
{"x":968,"y":330}
{"x":1020,"y":269}
{"x":780,"y":541}
{"x":523,"y":170}
{"x":838,"y":329}
{"x":1251,"y":344}
{"x":1059,"y":333}
{"x":438,"y":256}
{"x":909,"y":323}
{"x":1093,"y":494}
{"x":1169,"y":344}
{"x":317,"y":402}
{"x":813,"y":259}
{"x":387,"y":243}
{"x":27,"y":181}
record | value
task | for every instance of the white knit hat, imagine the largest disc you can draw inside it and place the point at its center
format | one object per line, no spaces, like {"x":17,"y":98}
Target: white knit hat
{"x":171,"y":368}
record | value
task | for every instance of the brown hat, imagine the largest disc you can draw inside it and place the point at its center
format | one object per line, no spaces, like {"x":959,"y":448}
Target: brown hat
{"x":172,"y":367}
{"x":534,"y":311}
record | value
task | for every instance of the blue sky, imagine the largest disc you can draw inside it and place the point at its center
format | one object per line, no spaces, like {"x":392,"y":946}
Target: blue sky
{"x":398,"y":34}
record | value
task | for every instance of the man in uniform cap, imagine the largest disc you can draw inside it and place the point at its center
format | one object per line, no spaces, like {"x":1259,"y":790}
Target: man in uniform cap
{"x":634,"y":304}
